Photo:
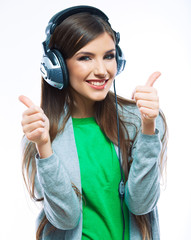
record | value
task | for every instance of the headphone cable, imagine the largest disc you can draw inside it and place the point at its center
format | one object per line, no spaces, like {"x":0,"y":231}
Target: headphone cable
{"x":121,"y":184}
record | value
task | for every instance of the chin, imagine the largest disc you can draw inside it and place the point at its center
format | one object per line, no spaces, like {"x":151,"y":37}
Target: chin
{"x":99,"y":98}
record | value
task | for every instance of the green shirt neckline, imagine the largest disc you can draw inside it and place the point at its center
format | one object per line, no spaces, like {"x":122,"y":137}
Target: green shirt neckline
{"x":83,"y":120}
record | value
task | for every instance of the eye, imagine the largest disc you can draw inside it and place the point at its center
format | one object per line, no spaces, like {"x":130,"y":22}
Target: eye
{"x":84,"y":58}
{"x":109,"y":56}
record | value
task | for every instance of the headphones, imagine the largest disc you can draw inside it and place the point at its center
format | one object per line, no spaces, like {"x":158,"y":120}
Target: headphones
{"x":53,"y":67}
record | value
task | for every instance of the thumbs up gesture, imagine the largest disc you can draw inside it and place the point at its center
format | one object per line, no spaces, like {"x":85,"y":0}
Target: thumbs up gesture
{"x":35,"y":126}
{"x":148,"y":103}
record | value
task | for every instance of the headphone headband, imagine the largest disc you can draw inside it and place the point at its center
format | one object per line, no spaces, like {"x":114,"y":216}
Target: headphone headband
{"x":62,"y":15}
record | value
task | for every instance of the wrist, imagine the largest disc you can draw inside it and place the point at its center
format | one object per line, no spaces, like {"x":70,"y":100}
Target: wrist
{"x":148,"y":128}
{"x":45,"y":149}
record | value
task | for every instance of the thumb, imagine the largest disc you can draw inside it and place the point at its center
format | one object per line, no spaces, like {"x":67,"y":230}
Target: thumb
{"x":26,"y":101}
{"x":151,"y":80}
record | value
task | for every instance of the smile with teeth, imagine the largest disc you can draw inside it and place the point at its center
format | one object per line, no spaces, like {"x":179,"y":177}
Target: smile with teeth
{"x":97,"y":83}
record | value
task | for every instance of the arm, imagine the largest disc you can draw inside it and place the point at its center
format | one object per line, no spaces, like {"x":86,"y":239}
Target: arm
{"x":142,"y":189}
{"x":61,"y":204}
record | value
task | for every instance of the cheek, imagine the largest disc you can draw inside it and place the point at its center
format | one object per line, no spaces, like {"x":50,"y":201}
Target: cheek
{"x":78,"y":70}
{"x":74,"y":80}
{"x":77,"y":75}
{"x":113,"y":69}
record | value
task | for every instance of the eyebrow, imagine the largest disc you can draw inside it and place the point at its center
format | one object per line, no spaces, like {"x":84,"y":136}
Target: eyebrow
{"x":92,"y":54}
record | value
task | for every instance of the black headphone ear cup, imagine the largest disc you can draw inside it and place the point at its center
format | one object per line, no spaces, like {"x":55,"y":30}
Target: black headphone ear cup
{"x":120,"y":60}
{"x":63,"y":67}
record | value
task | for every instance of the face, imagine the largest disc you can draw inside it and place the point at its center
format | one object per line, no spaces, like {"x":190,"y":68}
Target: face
{"x":92,"y":69}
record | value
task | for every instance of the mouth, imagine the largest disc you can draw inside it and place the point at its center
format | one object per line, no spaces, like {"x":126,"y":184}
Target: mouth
{"x":98,"y":84}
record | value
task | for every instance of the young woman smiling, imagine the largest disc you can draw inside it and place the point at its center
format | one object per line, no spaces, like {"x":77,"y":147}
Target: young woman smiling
{"x":92,"y":71}
{"x":71,"y":157}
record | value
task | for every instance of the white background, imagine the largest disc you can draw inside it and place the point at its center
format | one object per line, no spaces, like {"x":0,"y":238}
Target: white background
{"x":155,"y":36}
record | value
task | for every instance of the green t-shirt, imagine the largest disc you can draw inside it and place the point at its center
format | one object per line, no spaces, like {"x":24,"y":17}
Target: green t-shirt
{"x":100,"y":177}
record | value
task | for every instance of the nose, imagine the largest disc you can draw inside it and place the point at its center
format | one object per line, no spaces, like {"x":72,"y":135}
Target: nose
{"x":100,"y":69}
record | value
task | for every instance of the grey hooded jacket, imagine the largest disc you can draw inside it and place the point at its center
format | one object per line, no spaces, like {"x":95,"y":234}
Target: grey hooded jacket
{"x":56,"y":174}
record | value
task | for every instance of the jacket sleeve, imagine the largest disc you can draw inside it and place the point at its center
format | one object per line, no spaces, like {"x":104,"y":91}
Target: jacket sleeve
{"x":142,"y":189}
{"x":61,"y":204}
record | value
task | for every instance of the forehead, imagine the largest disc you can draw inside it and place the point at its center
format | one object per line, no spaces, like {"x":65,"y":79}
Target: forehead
{"x":103,"y":42}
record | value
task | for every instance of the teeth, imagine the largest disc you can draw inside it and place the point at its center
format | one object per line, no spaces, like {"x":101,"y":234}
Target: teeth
{"x":97,"y":83}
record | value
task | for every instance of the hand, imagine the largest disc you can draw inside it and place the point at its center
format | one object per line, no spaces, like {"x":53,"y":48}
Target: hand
{"x":148,"y":103}
{"x":35,"y":126}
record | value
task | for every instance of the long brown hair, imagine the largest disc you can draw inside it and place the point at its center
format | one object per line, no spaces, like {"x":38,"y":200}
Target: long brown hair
{"x":69,"y":37}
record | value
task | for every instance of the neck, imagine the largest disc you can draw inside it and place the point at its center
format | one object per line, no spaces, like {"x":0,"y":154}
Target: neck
{"x":83,"y":108}
{"x":82,"y":113}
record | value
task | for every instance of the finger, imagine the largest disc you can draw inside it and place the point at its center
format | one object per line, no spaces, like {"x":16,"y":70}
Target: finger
{"x":33,"y":126}
{"x":148,"y":104}
{"x":152,"y":79}
{"x":32,"y":110}
{"x":35,"y":135}
{"x":26,"y":101}
{"x":146,"y":96}
{"x":149,"y":113}
{"x":33,"y":118}
{"x":145,"y":89}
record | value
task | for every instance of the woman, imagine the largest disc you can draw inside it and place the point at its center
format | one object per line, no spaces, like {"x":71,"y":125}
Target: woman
{"x":71,"y":157}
